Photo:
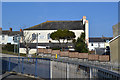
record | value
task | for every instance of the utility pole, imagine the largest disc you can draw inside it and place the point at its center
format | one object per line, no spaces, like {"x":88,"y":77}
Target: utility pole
{"x":37,"y":45}
{"x":18,"y":44}
{"x":14,"y":47}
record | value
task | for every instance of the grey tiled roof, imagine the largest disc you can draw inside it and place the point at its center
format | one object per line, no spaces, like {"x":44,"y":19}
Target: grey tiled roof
{"x":12,"y":33}
{"x":99,"y":39}
{"x":55,"y":25}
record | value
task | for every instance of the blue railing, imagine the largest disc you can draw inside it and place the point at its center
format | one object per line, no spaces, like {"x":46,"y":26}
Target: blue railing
{"x":55,"y":68}
{"x":38,"y":67}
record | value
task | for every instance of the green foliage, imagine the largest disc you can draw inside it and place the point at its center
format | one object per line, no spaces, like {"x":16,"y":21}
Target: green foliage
{"x":80,"y":45}
{"x":62,"y":35}
{"x":8,"y":47}
{"x":12,"y":53}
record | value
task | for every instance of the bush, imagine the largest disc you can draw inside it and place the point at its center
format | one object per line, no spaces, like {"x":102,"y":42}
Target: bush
{"x":8,"y":47}
{"x":80,"y":45}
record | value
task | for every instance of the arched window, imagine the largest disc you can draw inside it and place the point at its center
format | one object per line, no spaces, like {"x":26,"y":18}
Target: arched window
{"x":48,"y":35}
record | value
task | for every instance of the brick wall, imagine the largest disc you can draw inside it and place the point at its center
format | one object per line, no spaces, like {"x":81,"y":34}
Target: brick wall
{"x":104,"y":58}
{"x":40,"y":50}
{"x":83,"y":55}
{"x":90,"y":57}
{"x":94,"y":57}
{"x":64,"y":53}
{"x":73,"y":54}
{"x":54,"y":52}
{"x":47,"y":51}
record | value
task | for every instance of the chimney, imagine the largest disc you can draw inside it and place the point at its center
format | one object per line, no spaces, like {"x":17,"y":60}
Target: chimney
{"x":0,"y":28}
{"x":84,"y":19}
{"x":10,"y":29}
{"x":20,"y":30}
{"x":87,"y":31}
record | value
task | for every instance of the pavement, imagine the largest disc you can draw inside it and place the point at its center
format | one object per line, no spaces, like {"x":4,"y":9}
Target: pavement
{"x":7,"y":55}
{"x":15,"y":76}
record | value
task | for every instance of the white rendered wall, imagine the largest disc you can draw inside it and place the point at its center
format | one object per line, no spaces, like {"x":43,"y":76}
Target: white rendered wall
{"x":43,"y":35}
{"x":23,"y":50}
{"x":96,"y":45}
{"x":87,"y":32}
{"x":5,"y":39}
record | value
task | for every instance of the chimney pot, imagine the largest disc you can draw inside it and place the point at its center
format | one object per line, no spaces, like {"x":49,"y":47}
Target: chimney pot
{"x":10,"y":29}
{"x":84,"y":17}
{"x":20,"y":30}
{"x":0,"y":28}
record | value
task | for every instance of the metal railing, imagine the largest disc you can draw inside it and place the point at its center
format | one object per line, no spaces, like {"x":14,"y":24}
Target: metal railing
{"x":38,"y":67}
{"x":56,"y":68}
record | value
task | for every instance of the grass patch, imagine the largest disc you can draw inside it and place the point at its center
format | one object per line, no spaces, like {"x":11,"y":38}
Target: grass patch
{"x":23,"y":55}
{"x":116,"y":69}
{"x":12,"y":53}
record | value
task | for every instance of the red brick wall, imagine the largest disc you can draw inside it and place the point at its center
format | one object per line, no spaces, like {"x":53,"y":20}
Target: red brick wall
{"x":82,"y":55}
{"x":40,"y":50}
{"x":104,"y":58}
{"x":54,"y":52}
{"x":73,"y":54}
{"x":93,"y":57}
{"x":47,"y":51}
{"x":64,"y":53}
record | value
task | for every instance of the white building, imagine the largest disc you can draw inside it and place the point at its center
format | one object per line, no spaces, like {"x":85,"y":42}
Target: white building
{"x":7,"y":36}
{"x":45,"y":29}
{"x":98,"y":42}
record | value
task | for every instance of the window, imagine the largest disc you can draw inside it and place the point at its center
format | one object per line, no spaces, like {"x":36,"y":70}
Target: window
{"x":3,"y":37}
{"x":48,"y":36}
{"x":33,"y":36}
{"x":98,"y":44}
{"x":91,"y":44}
{"x":107,"y":40}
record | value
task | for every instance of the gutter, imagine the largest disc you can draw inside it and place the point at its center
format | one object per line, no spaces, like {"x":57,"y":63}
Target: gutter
{"x":114,"y":38}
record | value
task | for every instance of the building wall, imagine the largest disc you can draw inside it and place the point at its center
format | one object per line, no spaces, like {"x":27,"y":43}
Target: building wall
{"x":43,"y":35}
{"x":115,"y":51}
{"x":3,"y":40}
{"x":23,"y":50}
{"x":7,"y":39}
{"x":116,"y":30}
{"x":96,"y":45}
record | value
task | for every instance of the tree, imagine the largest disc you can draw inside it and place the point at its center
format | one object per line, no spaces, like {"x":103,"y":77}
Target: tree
{"x":62,"y":35}
{"x":56,"y":35}
{"x":26,"y":40}
{"x":80,"y":45}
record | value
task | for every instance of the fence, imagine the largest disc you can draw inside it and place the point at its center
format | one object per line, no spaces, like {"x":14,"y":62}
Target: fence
{"x":44,"y":68}
{"x":55,"y":68}
{"x":38,"y":67}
